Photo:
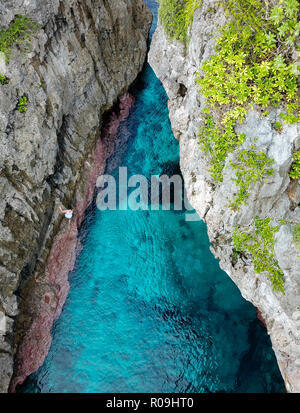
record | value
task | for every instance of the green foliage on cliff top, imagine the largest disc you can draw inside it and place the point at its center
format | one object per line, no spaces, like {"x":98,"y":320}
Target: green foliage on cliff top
{"x":19,"y":32}
{"x":278,"y":126}
{"x":258,"y":241}
{"x":254,"y":63}
{"x":176,"y":16}
{"x":218,"y":143}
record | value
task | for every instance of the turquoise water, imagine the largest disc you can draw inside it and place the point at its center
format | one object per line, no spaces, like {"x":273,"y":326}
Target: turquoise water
{"x":149,"y":310}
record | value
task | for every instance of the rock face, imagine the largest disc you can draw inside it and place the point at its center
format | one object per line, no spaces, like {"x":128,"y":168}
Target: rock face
{"x":176,"y":66}
{"x":85,"y":54}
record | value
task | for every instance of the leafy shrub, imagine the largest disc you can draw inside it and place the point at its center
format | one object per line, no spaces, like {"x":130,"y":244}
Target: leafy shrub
{"x":22,"y":104}
{"x":295,"y":168}
{"x":251,"y":167}
{"x":278,"y":126}
{"x":218,"y":144}
{"x":252,"y":65}
{"x":258,"y":241}
{"x":176,"y":16}
{"x":19,"y":32}
{"x":249,"y":66}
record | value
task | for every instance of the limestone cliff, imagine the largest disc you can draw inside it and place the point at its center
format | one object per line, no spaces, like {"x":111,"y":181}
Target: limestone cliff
{"x":279,"y":197}
{"x":84,"y":55}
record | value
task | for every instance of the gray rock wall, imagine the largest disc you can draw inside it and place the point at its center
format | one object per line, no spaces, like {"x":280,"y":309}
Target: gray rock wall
{"x":84,"y":55}
{"x":278,"y":198}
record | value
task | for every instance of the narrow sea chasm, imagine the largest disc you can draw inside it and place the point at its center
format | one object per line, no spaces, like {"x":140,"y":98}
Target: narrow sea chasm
{"x":149,"y":309}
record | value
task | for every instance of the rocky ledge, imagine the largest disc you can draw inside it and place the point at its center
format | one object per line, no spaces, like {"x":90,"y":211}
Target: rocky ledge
{"x":278,"y":198}
{"x":83,"y":56}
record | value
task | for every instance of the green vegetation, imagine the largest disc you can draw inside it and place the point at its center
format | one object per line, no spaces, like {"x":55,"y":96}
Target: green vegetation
{"x":258,"y":241}
{"x":3,"y":80}
{"x":218,"y":144}
{"x":296,"y":235}
{"x":19,"y":32}
{"x":278,"y":126}
{"x":295,"y":168}
{"x":251,"y":167}
{"x":253,"y":64}
{"x":22,"y":104}
{"x":284,"y":222}
{"x":176,"y":16}
{"x":292,"y":115}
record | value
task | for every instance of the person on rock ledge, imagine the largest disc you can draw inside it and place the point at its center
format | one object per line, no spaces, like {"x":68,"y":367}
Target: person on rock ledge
{"x":68,"y":214}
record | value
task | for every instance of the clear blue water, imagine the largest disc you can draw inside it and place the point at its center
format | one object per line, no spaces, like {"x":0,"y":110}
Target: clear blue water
{"x":149,"y":309}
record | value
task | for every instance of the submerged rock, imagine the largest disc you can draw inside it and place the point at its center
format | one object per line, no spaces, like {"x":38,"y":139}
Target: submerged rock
{"x":83,"y":56}
{"x":278,"y":198}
